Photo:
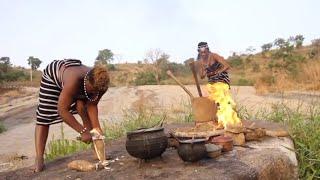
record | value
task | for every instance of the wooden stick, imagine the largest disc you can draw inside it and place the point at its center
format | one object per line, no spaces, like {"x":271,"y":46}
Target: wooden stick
{"x":181,"y":85}
{"x":193,"y":69}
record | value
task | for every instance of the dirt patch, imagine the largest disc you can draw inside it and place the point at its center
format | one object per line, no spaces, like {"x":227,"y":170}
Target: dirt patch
{"x":146,"y":98}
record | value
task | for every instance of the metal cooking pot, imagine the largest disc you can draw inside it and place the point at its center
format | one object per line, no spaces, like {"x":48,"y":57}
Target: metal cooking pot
{"x":192,"y":150}
{"x":146,"y":143}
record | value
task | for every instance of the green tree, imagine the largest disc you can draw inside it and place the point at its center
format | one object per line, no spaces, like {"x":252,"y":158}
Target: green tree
{"x":298,"y":40}
{"x":5,"y":64}
{"x":34,"y":64}
{"x":159,"y":61}
{"x":104,"y":57}
{"x":250,"y":50}
{"x":266,"y":47}
{"x":280,"y":42}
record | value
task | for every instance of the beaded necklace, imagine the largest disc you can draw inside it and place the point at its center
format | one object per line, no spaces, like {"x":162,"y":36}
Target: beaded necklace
{"x":85,"y":89}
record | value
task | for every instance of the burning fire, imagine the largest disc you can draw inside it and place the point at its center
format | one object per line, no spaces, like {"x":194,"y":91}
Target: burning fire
{"x":227,"y":116}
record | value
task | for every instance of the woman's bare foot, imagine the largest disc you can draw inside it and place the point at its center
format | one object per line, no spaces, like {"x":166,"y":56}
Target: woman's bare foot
{"x":38,"y":165}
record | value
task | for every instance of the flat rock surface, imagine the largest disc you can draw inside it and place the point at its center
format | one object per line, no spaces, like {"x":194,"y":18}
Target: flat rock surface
{"x":269,"y":158}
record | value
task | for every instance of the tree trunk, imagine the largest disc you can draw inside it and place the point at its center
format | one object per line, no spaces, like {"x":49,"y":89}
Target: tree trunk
{"x":31,"y":74}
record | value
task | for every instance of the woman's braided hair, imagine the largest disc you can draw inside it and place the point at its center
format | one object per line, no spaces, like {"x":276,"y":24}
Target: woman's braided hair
{"x":99,"y":78}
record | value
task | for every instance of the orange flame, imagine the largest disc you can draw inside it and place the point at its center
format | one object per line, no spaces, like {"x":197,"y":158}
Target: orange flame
{"x":227,"y":116}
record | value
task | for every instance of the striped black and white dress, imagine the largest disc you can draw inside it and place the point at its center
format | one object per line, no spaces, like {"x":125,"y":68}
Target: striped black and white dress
{"x":50,"y":89}
{"x":221,"y":77}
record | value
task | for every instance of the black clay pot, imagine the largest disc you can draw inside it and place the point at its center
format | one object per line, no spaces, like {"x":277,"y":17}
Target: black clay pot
{"x":146,"y":143}
{"x":192,"y":150}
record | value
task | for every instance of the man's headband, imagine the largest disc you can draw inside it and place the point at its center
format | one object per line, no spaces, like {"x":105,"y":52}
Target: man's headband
{"x":202,"y":48}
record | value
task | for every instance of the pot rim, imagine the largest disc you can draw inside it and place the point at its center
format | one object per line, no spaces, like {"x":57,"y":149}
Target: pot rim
{"x":193,"y":141}
{"x":222,"y":139}
{"x":144,"y":130}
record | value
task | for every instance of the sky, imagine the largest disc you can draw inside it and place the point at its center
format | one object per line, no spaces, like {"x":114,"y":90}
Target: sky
{"x":59,"y":29}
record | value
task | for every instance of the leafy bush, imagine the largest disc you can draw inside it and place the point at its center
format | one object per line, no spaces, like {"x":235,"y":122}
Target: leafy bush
{"x":145,"y":78}
{"x":13,"y":75}
{"x":111,"y":67}
{"x":244,"y":82}
{"x":236,"y":61}
{"x":179,"y":69}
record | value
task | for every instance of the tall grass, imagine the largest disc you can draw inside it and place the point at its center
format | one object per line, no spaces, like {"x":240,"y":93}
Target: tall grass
{"x":62,"y":147}
{"x":183,"y":114}
{"x":304,"y":128}
{"x":133,"y":120}
{"x":2,"y":128}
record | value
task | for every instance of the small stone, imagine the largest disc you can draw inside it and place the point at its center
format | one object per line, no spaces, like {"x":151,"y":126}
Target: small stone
{"x":108,"y":169}
{"x":121,"y":163}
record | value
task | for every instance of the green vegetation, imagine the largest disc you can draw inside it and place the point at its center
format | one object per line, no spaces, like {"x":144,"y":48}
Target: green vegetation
{"x":62,"y":147}
{"x":34,"y":62}
{"x":145,"y":78}
{"x":14,"y":75}
{"x":244,"y":82}
{"x":142,"y":118}
{"x":9,"y":73}
{"x":133,"y":120}
{"x":111,"y":67}
{"x":104,"y":57}
{"x":2,"y":128}
{"x":304,"y":130}
{"x":284,"y":64}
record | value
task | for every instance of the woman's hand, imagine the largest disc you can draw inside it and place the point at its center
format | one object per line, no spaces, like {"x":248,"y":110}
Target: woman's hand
{"x":86,"y":137}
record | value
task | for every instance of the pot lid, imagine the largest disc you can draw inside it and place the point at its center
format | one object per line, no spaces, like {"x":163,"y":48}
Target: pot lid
{"x":222,"y":139}
{"x":144,"y":130}
{"x":192,"y":141}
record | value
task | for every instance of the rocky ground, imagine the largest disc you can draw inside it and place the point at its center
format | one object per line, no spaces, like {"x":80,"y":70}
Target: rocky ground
{"x":266,"y":159}
{"x":18,"y":114}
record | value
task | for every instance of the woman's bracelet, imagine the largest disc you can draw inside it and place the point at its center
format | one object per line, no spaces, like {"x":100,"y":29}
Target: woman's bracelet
{"x":83,"y":130}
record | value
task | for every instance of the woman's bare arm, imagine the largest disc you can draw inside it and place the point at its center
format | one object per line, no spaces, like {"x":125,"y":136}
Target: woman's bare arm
{"x":93,"y":112}
{"x":66,"y":98}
